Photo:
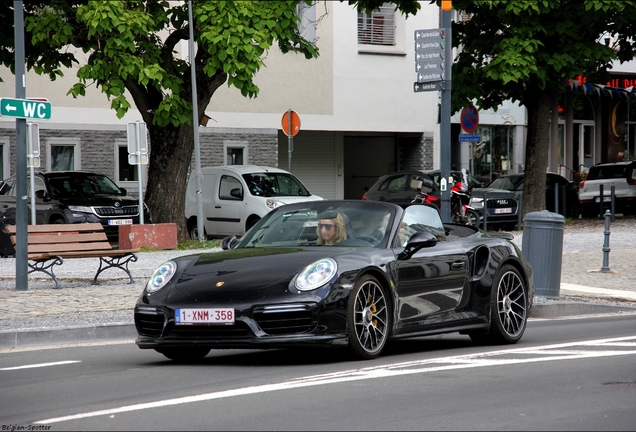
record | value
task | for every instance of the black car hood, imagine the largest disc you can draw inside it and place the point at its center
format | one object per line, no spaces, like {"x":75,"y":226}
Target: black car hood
{"x":492,"y":193}
{"x":99,"y":200}
{"x":247,"y":269}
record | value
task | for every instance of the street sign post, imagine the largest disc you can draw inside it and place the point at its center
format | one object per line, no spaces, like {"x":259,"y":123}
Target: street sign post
{"x":469,"y":119}
{"x":33,"y":160}
{"x":25,"y":108}
{"x":429,"y":55}
{"x":472,"y":137}
{"x":138,"y":155}
{"x":433,"y":73}
{"x":430,"y":86}
{"x":291,"y":125}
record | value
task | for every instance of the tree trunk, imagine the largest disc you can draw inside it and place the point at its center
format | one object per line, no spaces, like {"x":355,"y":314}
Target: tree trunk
{"x":539,"y":105}
{"x":171,"y":153}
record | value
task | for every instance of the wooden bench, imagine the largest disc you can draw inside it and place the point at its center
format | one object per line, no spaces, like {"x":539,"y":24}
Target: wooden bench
{"x":48,"y":245}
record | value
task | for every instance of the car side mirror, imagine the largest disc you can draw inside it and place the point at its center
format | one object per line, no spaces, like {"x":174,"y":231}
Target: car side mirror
{"x":419,"y":240}
{"x":123,"y":191}
{"x":236,"y":193}
{"x":229,"y":242}
{"x":42,"y":194}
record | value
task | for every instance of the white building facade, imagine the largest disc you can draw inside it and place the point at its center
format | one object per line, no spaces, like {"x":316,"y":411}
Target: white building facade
{"x":360,"y":117}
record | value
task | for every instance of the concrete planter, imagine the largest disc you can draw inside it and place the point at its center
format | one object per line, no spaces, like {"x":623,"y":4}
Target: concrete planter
{"x":153,"y":236}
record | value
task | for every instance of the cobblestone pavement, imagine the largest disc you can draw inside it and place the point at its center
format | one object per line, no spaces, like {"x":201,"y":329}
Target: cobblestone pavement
{"x":80,"y":303}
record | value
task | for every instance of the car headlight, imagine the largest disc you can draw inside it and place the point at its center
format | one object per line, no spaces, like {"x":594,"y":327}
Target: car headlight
{"x":477,"y":200}
{"x":316,"y":274}
{"x":81,"y":209}
{"x":161,"y":276}
{"x":274,"y":203}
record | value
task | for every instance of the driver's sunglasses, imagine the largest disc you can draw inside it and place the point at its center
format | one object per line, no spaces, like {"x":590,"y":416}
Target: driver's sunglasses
{"x":328,"y":226}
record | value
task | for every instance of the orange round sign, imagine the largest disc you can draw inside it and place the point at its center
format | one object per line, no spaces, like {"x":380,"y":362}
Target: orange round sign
{"x":295,"y":123}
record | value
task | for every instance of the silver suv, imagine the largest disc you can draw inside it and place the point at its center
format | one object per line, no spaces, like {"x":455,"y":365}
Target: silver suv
{"x":621,"y":175}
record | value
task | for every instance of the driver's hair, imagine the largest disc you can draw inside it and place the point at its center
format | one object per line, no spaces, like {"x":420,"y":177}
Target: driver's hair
{"x":341,"y":230}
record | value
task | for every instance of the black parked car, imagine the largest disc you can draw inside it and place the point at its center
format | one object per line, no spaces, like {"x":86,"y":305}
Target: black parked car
{"x":401,"y":187}
{"x":514,"y":183}
{"x":395,"y":272}
{"x":67,"y":197}
{"x":502,"y":207}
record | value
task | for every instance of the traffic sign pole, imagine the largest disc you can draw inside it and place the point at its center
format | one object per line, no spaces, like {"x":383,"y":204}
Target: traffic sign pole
{"x":30,"y":146}
{"x":21,"y":246}
{"x":139,"y":182}
{"x":290,"y":141}
{"x":445,"y":126}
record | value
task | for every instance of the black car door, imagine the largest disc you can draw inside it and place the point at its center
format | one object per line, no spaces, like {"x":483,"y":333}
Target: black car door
{"x":431,"y":283}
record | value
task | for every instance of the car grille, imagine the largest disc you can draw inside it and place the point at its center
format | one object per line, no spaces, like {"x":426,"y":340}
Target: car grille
{"x":237,"y":330}
{"x":149,"y":321}
{"x":116,"y":211}
{"x":285,"y":319}
{"x":502,"y":203}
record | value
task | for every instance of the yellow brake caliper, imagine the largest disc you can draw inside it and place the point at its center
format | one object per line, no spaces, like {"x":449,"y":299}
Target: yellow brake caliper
{"x":373,"y":309}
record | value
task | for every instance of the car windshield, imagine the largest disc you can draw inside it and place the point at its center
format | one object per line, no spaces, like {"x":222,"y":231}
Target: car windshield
{"x":506,"y":183}
{"x":81,"y":184}
{"x":274,"y":185}
{"x":351,"y":224}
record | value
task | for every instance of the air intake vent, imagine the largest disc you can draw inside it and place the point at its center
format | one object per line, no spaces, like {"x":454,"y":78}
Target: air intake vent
{"x":149,"y":321}
{"x":116,"y":211}
{"x":285,"y":319}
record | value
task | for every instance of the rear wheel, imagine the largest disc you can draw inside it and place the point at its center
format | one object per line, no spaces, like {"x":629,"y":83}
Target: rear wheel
{"x":368,"y":318}
{"x":184,"y":354}
{"x":251,"y":222}
{"x":193,"y":230}
{"x":472,"y":218}
{"x":508,"y":309}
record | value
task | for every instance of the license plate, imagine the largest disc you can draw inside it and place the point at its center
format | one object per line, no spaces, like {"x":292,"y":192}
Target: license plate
{"x":204,"y":316}
{"x":120,"y":222}
{"x":605,"y":199}
{"x":503,"y":210}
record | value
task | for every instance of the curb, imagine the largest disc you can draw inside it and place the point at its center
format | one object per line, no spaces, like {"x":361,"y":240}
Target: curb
{"x":127,"y":331}
{"x":62,"y":335}
{"x":568,"y":309}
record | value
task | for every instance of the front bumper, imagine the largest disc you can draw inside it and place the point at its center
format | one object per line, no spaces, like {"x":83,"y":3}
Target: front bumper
{"x":268,"y":326}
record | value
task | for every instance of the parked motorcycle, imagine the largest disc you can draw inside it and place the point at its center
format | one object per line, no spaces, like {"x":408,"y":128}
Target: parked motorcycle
{"x":461,"y":212}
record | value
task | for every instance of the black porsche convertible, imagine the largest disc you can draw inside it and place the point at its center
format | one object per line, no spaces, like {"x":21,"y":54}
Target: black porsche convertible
{"x":338,"y":273}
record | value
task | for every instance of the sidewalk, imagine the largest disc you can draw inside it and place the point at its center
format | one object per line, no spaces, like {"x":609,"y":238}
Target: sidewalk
{"x":81,"y":311}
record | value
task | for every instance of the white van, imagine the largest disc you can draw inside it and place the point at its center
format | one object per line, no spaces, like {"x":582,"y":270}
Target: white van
{"x":235,"y":197}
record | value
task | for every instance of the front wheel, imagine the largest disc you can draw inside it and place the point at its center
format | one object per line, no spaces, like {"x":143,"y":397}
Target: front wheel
{"x":368,"y":318}
{"x":508,"y":309}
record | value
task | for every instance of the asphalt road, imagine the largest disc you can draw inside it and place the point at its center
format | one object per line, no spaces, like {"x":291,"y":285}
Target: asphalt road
{"x":566,"y":374}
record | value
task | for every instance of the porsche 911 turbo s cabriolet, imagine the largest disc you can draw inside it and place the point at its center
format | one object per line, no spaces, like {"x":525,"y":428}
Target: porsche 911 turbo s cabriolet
{"x":342,"y":274}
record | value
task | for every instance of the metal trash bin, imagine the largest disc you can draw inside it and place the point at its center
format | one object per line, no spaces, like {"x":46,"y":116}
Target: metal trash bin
{"x":542,"y":246}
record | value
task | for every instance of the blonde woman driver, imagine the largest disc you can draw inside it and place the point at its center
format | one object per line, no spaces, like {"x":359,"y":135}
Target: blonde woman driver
{"x":331,"y":229}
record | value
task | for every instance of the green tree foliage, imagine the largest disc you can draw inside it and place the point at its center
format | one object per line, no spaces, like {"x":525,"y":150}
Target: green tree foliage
{"x":525,"y":50}
{"x":131,"y":47}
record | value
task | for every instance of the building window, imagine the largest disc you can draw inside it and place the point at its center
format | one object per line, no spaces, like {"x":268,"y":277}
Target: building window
{"x":125,"y":171}
{"x":377,"y":28}
{"x":307,"y":23}
{"x":63,"y":154}
{"x":235,"y":152}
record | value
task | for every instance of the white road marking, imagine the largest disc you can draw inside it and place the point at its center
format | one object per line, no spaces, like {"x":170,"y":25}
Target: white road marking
{"x":383,"y":371}
{"x":41,"y":365}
